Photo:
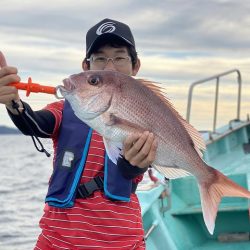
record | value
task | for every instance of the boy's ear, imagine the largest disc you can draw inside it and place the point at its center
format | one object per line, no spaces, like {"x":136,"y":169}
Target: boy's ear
{"x":85,"y":66}
{"x":136,"y":67}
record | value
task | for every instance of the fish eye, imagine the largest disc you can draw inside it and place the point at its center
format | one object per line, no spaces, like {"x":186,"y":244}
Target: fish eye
{"x":93,"y":80}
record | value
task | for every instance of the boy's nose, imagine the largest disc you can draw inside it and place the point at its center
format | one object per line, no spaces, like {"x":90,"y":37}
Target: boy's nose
{"x":110,"y":65}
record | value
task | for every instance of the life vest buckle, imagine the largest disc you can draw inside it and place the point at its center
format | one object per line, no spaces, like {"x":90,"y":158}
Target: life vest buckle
{"x":87,"y":189}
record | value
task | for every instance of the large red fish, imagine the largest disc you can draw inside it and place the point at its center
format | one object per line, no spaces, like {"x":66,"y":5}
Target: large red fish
{"x":117,"y":105}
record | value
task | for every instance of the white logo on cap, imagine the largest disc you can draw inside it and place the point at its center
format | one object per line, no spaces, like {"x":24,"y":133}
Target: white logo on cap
{"x":107,"y":27}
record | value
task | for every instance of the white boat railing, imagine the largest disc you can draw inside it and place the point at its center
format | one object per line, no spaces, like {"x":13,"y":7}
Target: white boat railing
{"x":217,"y":78}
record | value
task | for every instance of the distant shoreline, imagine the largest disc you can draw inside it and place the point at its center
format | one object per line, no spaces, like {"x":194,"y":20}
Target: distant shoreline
{"x":4,"y":130}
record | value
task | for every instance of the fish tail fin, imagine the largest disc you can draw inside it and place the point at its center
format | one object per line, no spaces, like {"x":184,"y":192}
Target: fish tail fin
{"x":212,"y":192}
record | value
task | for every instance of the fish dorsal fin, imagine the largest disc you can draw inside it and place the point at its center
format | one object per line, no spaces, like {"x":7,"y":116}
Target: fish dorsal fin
{"x":199,"y":144}
{"x":113,"y":149}
{"x":156,"y":88}
{"x":172,"y":172}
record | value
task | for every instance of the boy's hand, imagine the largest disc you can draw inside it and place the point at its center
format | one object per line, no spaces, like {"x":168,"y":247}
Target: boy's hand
{"x":8,"y":75}
{"x":140,"y":149}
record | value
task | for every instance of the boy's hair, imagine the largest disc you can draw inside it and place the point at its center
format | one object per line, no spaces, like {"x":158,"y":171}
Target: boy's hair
{"x":114,"y":42}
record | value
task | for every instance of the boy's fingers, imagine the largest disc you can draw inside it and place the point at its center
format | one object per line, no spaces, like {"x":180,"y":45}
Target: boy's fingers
{"x":3,"y":62}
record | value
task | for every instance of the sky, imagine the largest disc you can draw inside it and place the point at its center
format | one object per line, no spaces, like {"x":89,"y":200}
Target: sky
{"x":178,"y":42}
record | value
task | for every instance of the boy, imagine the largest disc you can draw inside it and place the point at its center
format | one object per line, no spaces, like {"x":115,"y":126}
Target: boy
{"x":79,"y":212}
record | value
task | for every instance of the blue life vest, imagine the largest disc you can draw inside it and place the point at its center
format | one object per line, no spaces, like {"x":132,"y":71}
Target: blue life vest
{"x":71,"y":154}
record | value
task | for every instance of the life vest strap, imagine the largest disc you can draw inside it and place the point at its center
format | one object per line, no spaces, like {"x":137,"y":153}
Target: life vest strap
{"x":87,"y":189}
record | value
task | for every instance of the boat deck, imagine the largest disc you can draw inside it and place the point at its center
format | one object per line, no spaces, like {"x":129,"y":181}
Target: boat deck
{"x":176,"y":221}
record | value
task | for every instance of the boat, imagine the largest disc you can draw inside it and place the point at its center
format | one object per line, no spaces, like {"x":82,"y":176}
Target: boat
{"x":171,"y":209}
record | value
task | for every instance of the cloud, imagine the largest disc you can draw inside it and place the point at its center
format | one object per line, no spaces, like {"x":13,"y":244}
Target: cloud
{"x":178,"y":42}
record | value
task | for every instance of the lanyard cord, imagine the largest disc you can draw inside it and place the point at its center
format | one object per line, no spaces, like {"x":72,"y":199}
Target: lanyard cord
{"x":35,"y":139}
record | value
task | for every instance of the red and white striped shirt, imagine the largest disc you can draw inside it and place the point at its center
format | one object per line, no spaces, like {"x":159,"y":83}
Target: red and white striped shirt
{"x":95,"y":222}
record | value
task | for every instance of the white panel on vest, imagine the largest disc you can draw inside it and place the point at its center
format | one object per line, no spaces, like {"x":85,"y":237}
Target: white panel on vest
{"x":68,"y":158}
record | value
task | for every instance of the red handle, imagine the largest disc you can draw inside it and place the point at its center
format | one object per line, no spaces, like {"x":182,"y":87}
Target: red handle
{"x":34,"y":87}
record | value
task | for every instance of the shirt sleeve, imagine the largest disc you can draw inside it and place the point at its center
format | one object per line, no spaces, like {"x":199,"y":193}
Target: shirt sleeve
{"x":129,"y":171}
{"x":43,"y":123}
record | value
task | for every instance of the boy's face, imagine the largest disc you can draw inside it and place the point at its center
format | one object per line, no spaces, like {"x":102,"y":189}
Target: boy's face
{"x":123,"y":65}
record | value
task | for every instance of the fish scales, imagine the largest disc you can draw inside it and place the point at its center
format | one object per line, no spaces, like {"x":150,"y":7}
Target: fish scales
{"x":117,"y":105}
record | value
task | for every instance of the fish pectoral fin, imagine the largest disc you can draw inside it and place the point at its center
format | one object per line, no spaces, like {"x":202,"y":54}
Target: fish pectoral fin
{"x":108,"y":118}
{"x":172,"y":172}
{"x":113,"y":149}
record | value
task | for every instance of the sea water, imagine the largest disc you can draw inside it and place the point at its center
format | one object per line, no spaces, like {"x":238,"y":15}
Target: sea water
{"x":24,"y":175}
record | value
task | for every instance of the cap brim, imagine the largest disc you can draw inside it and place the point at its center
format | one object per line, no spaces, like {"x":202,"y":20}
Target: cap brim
{"x":102,"y":37}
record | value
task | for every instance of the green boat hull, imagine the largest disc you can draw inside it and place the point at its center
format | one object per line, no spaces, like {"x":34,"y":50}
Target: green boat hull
{"x":172,"y":214}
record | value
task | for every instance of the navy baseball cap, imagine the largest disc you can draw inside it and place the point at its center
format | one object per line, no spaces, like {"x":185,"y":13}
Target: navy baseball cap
{"x":108,"y":27}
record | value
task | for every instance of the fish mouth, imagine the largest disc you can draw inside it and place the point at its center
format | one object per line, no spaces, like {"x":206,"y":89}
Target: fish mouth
{"x":67,"y":87}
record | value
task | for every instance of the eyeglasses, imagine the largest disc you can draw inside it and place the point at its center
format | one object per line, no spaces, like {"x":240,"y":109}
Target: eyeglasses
{"x":102,"y":61}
